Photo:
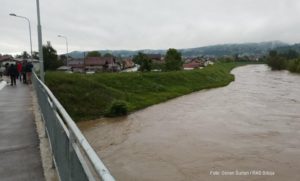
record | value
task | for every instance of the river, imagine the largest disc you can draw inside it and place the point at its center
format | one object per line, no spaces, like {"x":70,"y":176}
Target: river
{"x":253,"y":124}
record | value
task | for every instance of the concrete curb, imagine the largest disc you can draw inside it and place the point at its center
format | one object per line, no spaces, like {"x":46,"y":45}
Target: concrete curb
{"x":45,"y":150}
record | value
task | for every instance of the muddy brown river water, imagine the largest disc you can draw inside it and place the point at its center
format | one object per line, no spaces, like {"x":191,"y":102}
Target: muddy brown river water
{"x":249,"y":130}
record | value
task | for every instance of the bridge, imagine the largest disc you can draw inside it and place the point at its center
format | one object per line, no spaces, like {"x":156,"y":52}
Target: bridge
{"x":20,"y":159}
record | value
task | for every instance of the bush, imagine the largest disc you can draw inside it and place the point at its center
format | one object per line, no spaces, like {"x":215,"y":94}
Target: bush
{"x":117,"y":108}
{"x":291,"y":66}
{"x":294,"y":65}
{"x":282,"y":61}
{"x":277,"y":63}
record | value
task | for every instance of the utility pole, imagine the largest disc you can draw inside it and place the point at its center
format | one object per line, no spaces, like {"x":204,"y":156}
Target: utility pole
{"x":23,"y":17}
{"x":40,"y":42}
{"x":67,"y":46}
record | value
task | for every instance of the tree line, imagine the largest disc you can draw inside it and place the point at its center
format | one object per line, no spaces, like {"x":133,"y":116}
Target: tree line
{"x":289,"y":60}
{"x":173,"y":59}
{"x":51,"y":60}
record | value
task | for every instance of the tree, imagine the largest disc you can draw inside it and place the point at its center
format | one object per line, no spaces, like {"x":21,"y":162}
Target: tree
{"x":144,"y":62}
{"x":108,"y":55}
{"x":51,"y":61}
{"x":63,"y":59}
{"x":290,"y":54}
{"x":236,"y":57}
{"x":35,"y":55}
{"x":93,"y":54}
{"x":25,"y":55}
{"x":273,"y":53}
{"x":173,"y":60}
{"x":275,"y":61}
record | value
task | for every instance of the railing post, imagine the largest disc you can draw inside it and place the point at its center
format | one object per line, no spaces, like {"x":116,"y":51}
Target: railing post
{"x":71,"y":149}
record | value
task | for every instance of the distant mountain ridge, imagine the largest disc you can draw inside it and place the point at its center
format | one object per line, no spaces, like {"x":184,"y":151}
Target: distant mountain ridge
{"x":215,"y":50}
{"x":295,"y":47}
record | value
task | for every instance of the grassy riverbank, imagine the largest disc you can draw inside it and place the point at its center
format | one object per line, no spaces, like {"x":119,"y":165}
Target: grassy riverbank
{"x":87,"y":97}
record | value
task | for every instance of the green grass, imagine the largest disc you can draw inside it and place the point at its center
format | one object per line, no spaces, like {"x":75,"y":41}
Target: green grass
{"x":87,"y":97}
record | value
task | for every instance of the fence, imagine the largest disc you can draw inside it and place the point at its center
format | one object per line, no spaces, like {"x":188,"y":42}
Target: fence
{"x":73,"y":156}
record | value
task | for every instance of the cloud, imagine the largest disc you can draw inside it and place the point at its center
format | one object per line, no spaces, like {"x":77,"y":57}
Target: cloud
{"x":155,"y":24}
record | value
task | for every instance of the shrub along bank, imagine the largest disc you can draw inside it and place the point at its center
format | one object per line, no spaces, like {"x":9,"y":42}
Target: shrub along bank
{"x":280,"y":61}
{"x":87,"y":97}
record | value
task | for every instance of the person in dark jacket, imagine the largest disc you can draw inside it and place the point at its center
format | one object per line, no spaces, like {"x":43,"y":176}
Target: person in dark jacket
{"x":28,"y":68}
{"x":13,"y":73}
{"x":24,"y":72}
{"x":2,"y":69}
{"x":6,"y":69}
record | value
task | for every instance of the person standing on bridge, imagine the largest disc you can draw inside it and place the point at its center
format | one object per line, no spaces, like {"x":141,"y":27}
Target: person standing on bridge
{"x":24,"y":71}
{"x":6,"y":69}
{"x":2,"y":69}
{"x":28,"y":68}
{"x":19,"y":67}
{"x":13,"y":73}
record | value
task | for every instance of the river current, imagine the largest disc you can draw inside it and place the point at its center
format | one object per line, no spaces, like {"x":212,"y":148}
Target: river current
{"x":248,"y":130}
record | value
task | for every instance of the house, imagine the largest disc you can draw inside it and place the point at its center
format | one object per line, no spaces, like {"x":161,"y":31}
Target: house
{"x":127,"y":63}
{"x":187,"y":60}
{"x":253,"y":58}
{"x":156,"y":58}
{"x":6,"y":59}
{"x":77,"y":65}
{"x":94,"y":64}
{"x":101,"y":64}
{"x":193,"y":64}
{"x":208,"y":62}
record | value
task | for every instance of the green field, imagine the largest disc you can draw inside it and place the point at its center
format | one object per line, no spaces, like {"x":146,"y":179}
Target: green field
{"x":87,"y":97}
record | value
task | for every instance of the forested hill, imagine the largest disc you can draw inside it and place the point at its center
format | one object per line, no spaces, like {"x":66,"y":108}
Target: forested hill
{"x":216,"y":50}
{"x":284,"y":49}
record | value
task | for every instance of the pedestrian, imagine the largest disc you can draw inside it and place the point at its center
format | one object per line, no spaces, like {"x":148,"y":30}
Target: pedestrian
{"x":19,"y":67}
{"x":13,"y":73}
{"x":2,"y":69}
{"x":28,"y":68}
{"x":24,"y":71}
{"x":6,"y":69}
{"x":6,"y":66}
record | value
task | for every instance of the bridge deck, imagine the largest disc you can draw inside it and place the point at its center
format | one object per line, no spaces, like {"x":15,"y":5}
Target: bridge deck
{"x":19,"y":144}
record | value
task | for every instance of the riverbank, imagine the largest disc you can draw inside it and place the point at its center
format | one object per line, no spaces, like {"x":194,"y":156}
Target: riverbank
{"x":87,"y":97}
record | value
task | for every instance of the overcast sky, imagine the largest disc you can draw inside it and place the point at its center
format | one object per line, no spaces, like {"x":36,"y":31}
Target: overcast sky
{"x":148,"y":24}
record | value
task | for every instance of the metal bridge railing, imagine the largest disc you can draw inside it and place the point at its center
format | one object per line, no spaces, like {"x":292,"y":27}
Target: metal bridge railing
{"x":73,"y":156}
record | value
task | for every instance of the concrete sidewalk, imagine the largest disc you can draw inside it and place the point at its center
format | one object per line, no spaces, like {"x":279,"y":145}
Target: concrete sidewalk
{"x":19,"y":153}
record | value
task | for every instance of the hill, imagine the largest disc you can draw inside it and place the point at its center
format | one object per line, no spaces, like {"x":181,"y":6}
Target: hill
{"x":284,"y":49}
{"x":216,"y":50}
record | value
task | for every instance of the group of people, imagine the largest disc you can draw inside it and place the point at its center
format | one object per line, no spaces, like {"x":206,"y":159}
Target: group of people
{"x":21,"y":71}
